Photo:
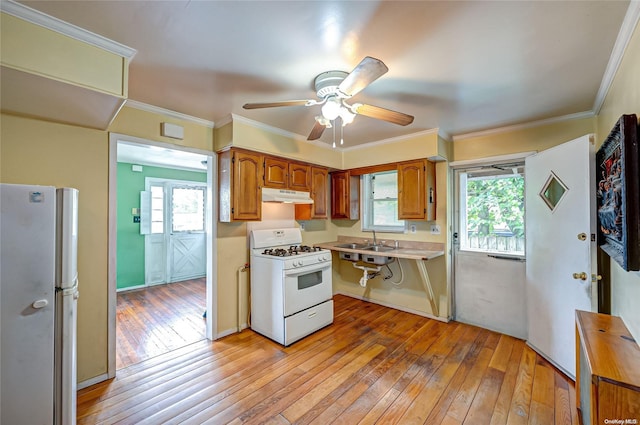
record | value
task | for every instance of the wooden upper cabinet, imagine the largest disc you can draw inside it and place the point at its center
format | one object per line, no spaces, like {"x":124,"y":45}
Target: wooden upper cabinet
{"x":276,"y":171}
{"x":319,"y":194}
{"x":240,"y":174}
{"x":345,"y":196}
{"x":416,"y":190}
{"x":300,"y":177}
{"x":280,"y":173}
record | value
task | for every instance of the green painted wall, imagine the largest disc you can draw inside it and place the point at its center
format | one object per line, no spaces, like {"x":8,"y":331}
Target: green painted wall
{"x":130,"y":255}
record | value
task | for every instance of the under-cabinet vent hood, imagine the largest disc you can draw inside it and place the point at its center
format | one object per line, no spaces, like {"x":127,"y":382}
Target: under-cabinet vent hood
{"x":285,"y":196}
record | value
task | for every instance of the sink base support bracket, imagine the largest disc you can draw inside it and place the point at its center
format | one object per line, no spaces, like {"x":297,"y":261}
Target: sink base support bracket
{"x":422,"y":268}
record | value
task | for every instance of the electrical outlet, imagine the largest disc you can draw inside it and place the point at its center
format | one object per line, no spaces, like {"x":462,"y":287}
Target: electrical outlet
{"x":435,"y":229}
{"x":301,"y":226}
{"x":412,"y":228}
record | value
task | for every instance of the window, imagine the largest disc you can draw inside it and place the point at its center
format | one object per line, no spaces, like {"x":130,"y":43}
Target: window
{"x":157,"y":209}
{"x":380,"y":202}
{"x":492,"y":210}
{"x":187,"y":209}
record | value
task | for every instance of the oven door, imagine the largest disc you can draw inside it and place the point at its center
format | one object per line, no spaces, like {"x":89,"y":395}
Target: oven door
{"x":306,"y":286}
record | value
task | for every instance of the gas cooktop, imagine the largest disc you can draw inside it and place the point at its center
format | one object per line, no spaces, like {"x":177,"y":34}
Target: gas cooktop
{"x":292,"y":250}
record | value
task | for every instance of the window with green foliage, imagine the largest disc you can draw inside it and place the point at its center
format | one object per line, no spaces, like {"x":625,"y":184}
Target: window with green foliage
{"x":492,"y":211}
{"x":380,"y":202}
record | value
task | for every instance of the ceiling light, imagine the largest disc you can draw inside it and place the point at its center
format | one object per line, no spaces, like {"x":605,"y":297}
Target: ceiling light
{"x":331,"y":109}
{"x":346,"y":115}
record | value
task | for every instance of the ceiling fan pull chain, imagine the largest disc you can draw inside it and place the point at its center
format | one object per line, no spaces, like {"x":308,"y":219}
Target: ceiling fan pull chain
{"x":333,"y":124}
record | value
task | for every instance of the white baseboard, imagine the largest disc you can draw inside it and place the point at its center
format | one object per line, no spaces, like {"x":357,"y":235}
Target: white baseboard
{"x":231,"y":331}
{"x":93,"y":381}
{"x":396,"y":307}
{"x":130,"y":288}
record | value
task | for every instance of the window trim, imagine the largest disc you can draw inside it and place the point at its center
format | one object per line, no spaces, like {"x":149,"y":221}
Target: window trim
{"x":367,"y":207}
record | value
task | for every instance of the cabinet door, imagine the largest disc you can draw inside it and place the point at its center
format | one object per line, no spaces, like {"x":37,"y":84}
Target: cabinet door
{"x":345,"y":196}
{"x":319,"y":194}
{"x":412,"y":190}
{"x":247,"y":173}
{"x":319,"y":191}
{"x":275,"y":172}
{"x":300,"y":177}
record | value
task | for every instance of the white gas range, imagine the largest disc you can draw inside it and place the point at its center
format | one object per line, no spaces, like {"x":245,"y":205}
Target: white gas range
{"x":291,"y":290}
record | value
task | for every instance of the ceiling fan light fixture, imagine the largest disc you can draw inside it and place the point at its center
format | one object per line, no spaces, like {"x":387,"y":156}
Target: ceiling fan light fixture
{"x":346,"y":115}
{"x":332,"y":108}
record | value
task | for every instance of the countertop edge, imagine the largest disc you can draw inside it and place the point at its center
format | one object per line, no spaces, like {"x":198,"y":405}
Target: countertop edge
{"x":397,"y":253}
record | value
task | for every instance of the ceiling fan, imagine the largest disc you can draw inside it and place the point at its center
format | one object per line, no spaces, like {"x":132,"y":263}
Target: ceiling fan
{"x":333,"y":88}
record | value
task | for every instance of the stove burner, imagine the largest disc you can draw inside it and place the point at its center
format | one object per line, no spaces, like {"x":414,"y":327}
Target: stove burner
{"x":292,"y":250}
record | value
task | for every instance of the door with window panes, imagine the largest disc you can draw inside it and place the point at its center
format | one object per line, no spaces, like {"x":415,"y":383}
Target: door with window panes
{"x":175,"y":237}
{"x":489,"y":248}
{"x":187,"y":237}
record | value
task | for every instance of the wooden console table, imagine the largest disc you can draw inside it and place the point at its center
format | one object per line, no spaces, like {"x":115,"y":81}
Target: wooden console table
{"x":607,"y":370}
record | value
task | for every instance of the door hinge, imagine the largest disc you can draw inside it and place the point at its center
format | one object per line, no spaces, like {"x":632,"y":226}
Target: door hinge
{"x":232,"y":210}
{"x":233,"y":158}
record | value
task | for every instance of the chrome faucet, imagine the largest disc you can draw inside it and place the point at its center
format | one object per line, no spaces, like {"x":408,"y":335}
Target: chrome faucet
{"x":375,"y":242}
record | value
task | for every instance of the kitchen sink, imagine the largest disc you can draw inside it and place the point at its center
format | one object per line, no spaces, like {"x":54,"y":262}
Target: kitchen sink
{"x":377,"y":259}
{"x":379,"y":248}
{"x":354,"y":245}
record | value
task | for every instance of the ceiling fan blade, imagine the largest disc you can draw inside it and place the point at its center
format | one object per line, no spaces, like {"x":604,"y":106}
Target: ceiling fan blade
{"x":276,"y":104}
{"x":317,"y":131}
{"x":365,"y":73}
{"x":382,"y":114}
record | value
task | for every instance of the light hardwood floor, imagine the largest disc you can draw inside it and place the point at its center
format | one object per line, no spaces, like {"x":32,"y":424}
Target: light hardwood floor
{"x":158,"y":319}
{"x":373,"y":365}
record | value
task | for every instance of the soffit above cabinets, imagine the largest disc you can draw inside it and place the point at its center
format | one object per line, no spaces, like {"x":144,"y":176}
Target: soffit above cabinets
{"x":57,"y":72}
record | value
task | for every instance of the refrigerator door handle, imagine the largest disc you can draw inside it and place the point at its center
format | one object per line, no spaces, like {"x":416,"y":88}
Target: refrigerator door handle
{"x":40,"y":304}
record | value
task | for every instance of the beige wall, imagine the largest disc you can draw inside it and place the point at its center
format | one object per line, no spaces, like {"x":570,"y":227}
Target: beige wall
{"x":38,"y":152}
{"x":624,"y":98}
{"x":519,"y":140}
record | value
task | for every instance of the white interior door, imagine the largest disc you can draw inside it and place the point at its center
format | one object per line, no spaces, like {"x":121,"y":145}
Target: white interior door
{"x":560,"y":217}
{"x":489,"y":248}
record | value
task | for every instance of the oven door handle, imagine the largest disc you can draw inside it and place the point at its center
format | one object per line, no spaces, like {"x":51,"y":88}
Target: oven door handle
{"x":306,"y":269}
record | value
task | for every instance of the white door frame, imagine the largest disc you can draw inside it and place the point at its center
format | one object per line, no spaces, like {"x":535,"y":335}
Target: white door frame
{"x":211,"y":236}
{"x":454,"y":211}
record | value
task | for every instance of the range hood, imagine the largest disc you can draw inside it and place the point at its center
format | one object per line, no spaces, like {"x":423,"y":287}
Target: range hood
{"x":285,"y":196}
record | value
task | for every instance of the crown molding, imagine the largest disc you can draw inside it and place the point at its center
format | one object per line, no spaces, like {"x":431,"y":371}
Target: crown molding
{"x":54,"y":24}
{"x":169,"y":113}
{"x":515,"y":127}
{"x":627,"y":28}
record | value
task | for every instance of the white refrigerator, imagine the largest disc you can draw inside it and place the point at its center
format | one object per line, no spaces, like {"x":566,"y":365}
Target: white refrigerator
{"x":38,"y":302}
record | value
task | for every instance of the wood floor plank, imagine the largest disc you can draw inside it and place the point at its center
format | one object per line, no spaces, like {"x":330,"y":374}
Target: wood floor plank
{"x":372,"y":365}
{"x":503,"y":403}
{"x":521,"y":401}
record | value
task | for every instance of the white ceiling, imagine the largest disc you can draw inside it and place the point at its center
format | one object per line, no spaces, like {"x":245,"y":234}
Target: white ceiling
{"x":460,"y":66}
